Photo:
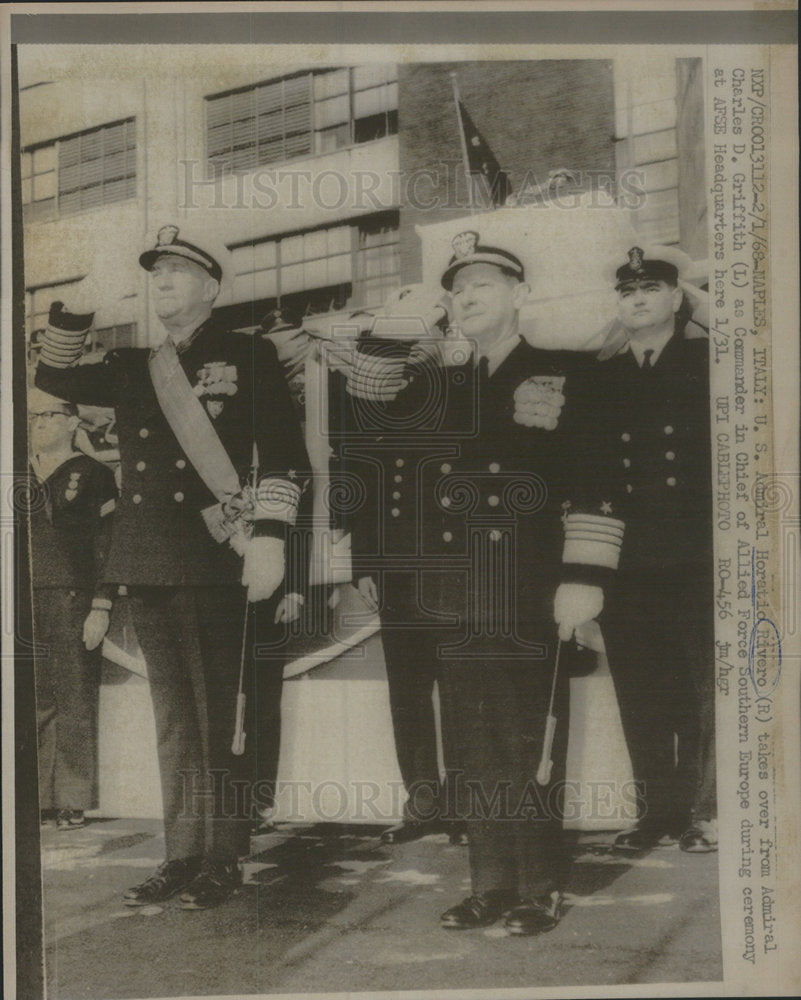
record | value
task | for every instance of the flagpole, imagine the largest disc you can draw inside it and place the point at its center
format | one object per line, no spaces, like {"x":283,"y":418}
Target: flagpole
{"x":465,"y":158}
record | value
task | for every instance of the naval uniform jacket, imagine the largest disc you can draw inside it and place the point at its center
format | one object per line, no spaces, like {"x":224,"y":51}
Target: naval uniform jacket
{"x":641,"y":453}
{"x":70,"y":513}
{"x":484,"y":521}
{"x":460,"y":491}
{"x":643,"y":441}
{"x":159,"y":536}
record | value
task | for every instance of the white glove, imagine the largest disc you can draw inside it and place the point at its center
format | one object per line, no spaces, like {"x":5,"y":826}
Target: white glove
{"x":95,"y":627}
{"x":699,"y":303}
{"x":368,"y":591}
{"x":574,"y":605}
{"x":263,"y":569}
{"x":539,"y":401}
{"x":412,"y":313}
{"x":418,"y":301}
{"x":288,"y":609}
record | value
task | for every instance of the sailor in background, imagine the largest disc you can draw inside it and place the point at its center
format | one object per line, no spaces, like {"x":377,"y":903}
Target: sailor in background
{"x":72,"y":500}
{"x":642,"y":441}
{"x":188,"y":416}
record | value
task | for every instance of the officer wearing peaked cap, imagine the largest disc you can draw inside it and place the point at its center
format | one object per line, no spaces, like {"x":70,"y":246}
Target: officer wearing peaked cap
{"x":641,"y":441}
{"x":189,"y":415}
{"x":485,"y":536}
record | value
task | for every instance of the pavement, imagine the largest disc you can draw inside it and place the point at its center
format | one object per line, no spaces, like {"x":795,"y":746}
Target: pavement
{"x":329,"y":909}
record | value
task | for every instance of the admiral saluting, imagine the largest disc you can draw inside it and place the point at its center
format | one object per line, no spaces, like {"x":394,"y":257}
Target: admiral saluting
{"x":189,"y":415}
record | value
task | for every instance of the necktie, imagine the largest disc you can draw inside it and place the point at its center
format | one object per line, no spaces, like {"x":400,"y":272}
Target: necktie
{"x":646,"y":360}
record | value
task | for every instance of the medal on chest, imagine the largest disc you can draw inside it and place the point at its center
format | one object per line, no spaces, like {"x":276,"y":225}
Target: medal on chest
{"x":72,"y":487}
{"x":217,"y":381}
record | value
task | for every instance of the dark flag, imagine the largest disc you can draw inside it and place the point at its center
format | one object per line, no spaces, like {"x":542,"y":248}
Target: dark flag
{"x":482,"y":163}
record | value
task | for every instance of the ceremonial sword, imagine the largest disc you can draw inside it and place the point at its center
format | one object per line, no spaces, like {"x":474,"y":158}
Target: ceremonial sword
{"x":546,"y":762}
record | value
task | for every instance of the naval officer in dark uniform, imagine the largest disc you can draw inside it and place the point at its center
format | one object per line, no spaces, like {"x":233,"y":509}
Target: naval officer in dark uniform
{"x":381,"y":444}
{"x":188,"y":417}
{"x":642,"y":441}
{"x":490,"y":537}
{"x":72,"y":500}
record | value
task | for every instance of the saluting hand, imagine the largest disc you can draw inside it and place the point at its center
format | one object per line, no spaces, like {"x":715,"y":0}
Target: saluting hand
{"x":95,"y":627}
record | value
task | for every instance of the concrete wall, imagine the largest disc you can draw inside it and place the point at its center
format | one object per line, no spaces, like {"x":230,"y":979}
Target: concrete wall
{"x":535,"y":116}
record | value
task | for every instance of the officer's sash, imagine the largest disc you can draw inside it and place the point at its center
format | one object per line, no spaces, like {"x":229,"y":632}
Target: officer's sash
{"x":231,"y":518}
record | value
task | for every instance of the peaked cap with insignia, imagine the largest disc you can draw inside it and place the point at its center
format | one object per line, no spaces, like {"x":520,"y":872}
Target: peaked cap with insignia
{"x":168,"y":241}
{"x":468,"y":250}
{"x":655,"y":263}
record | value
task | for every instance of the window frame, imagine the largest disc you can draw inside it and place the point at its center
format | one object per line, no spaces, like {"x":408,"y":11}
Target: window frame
{"x":359,"y":280}
{"x":58,"y":211}
{"x":217,"y":171}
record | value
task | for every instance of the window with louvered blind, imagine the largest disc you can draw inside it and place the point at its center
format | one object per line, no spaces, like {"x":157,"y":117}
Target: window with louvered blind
{"x":354,"y":263}
{"x":80,"y":171}
{"x":299,"y":115}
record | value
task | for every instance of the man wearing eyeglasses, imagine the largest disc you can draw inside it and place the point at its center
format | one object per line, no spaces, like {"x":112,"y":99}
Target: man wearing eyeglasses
{"x":71,"y":501}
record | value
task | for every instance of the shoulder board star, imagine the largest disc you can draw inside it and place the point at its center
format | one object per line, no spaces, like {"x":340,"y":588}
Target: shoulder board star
{"x":606,"y":507}
{"x":292,"y":474}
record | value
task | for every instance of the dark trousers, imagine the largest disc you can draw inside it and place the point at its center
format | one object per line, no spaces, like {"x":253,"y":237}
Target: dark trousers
{"x":67,"y":684}
{"x":192,"y":640}
{"x":263,"y":687}
{"x":514,"y":825}
{"x":410,"y":641}
{"x":659,"y":635}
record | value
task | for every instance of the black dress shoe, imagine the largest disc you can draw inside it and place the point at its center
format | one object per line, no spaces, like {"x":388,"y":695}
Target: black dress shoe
{"x":261,"y":822}
{"x":168,"y":879}
{"x":410,"y":829}
{"x":477,"y":911}
{"x":214,"y":883}
{"x":457,"y":834}
{"x":635,"y":841}
{"x":535,"y":916}
{"x":695,"y":841}
{"x":70,"y":819}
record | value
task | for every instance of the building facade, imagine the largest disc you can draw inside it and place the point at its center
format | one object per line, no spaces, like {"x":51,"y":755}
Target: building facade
{"x":315,"y":177}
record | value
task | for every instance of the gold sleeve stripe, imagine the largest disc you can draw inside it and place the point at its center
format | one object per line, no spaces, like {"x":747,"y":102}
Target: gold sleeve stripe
{"x":276,"y":500}
{"x":593,"y":540}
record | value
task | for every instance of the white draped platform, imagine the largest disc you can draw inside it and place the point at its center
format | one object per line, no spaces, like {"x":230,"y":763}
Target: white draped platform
{"x":338,"y":759}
